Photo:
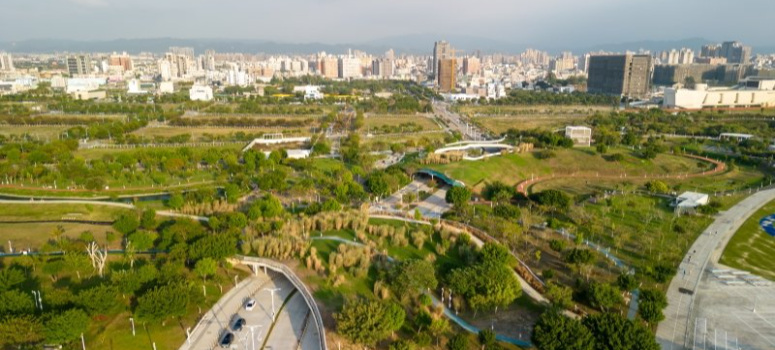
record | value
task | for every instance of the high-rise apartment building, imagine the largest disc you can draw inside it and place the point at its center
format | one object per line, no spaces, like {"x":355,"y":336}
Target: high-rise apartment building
{"x":441,"y":50}
{"x":447,"y":74}
{"x":712,"y":50}
{"x":123,"y":60}
{"x":471,"y":66}
{"x":383,"y":68}
{"x":624,"y":75}
{"x":564,"y":62}
{"x":329,"y":67}
{"x":79,"y":65}
{"x":6,"y":62}
{"x":350,"y":67}
{"x":735,"y":52}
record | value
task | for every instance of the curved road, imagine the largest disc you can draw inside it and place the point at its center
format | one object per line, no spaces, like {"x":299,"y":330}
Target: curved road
{"x":677,"y":330}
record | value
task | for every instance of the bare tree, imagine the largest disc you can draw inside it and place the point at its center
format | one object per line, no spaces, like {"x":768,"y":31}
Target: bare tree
{"x":98,"y":257}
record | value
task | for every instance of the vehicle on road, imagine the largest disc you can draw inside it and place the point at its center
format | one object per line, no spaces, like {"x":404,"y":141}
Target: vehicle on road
{"x":250,"y":304}
{"x":226,"y":339}
{"x":237,"y":324}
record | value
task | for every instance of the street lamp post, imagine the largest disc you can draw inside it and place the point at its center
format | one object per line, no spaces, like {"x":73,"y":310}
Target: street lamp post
{"x":272,"y":291}
{"x":132,"y":321}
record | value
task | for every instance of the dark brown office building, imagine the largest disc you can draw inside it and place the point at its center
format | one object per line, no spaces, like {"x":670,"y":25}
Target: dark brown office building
{"x":622,"y":75}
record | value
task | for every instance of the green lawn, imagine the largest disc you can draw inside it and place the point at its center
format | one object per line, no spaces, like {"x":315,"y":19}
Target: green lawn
{"x":752,"y":249}
{"x":87,"y":212}
{"x":514,"y":168}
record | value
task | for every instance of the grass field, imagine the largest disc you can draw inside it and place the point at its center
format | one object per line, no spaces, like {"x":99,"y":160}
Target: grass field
{"x":99,"y":152}
{"x":735,"y":179}
{"x":379,"y":120}
{"x":475,"y":111}
{"x":33,"y":236}
{"x":35,"y":132}
{"x":513,"y":168}
{"x":752,"y":249}
{"x":499,"y":125}
{"x":197,"y":133}
{"x":86,"y":212}
{"x":86,"y":117}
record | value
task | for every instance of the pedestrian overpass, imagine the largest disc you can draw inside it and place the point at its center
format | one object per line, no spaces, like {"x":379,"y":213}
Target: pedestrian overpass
{"x":435,"y":174}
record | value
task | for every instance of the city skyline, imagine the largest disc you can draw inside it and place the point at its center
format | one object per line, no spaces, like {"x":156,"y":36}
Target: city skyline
{"x":518,"y":23}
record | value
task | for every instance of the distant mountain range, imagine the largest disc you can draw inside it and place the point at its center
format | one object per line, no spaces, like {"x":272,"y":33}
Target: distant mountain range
{"x":412,"y":44}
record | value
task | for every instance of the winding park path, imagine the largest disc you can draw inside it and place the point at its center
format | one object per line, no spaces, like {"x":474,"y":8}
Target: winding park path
{"x":677,"y":330}
{"x":524,"y":186}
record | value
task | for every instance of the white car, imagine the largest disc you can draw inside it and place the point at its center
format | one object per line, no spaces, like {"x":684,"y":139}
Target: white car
{"x":250,"y":304}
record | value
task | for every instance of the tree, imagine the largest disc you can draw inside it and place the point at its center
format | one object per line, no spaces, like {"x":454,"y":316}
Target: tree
{"x":494,"y":253}
{"x":412,"y":276}
{"x":163,"y":302}
{"x":98,"y":257}
{"x":232,"y":193}
{"x":650,"y":305}
{"x":14,"y":302}
{"x":552,"y":198}
{"x":363,"y":322}
{"x":148,"y":219}
{"x":402,"y":344}
{"x":458,"y":342}
{"x":560,"y":296}
{"x":650,"y":312}
{"x":206,"y":267}
{"x":626,"y":282}
{"x":126,"y":223}
{"x":614,"y":332}
{"x":604,"y":296}
{"x":66,"y":326}
{"x":657,"y":186}
{"x":102,"y":299}
{"x":486,"y":337}
{"x":19,"y":331}
{"x":217,"y":246}
{"x":485,"y":285}
{"x":554,"y":331}
{"x":176,"y":201}
{"x":394,"y":316}
{"x":458,"y":196}
{"x":438,"y":327}
{"x":10,"y":278}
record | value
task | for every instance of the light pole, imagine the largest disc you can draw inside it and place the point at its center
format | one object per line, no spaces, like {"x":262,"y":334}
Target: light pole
{"x":132,"y":322}
{"x":271,"y":291}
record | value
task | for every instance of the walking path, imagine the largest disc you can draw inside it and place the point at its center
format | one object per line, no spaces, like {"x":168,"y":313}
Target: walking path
{"x":524,"y":186}
{"x":674,"y":331}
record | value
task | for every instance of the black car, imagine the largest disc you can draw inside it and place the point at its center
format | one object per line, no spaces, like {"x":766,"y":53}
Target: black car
{"x":226,"y":340}
{"x":238,"y":323}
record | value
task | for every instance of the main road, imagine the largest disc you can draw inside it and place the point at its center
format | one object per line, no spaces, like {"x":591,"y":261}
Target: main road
{"x":456,"y":122}
{"x":678,"y":330}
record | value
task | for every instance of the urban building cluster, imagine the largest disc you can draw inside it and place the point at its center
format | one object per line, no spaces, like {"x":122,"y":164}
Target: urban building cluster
{"x":666,"y":76}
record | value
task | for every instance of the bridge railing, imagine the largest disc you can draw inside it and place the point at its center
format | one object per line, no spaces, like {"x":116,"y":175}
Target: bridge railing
{"x":299,"y":285}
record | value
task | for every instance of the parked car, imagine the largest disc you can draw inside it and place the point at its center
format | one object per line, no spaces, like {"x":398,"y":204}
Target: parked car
{"x":250,"y":304}
{"x":226,"y":339}
{"x":237,"y":324}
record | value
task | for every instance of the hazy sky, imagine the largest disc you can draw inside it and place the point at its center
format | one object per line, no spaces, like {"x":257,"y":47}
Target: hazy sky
{"x":559,"y":22}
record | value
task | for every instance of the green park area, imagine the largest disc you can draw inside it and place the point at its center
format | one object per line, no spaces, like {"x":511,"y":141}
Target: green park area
{"x":751,"y":248}
{"x":514,"y":168}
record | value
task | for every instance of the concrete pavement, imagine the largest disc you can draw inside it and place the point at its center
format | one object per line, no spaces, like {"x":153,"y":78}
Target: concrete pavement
{"x":678,"y":329}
